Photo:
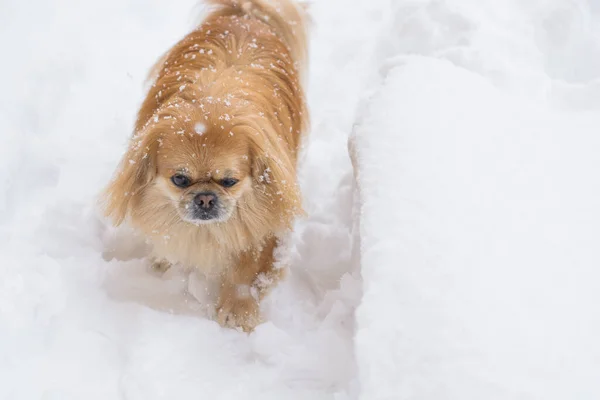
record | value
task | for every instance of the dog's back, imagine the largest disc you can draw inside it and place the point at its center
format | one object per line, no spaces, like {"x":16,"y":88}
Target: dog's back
{"x":286,"y":17}
{"x":250,"y":50}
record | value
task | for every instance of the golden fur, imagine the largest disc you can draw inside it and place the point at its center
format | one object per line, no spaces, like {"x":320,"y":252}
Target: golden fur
{"x":226,"y":102}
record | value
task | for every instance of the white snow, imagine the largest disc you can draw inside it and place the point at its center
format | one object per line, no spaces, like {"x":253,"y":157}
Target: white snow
{"x":477,"y":160}
{"x":471,"y":227}
{"x":200,"y":128}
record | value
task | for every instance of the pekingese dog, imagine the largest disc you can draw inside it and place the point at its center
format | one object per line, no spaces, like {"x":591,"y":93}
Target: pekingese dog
{"x":209,"y":177}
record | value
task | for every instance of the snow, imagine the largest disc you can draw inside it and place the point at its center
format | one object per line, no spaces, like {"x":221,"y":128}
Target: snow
{"x":479,"y":206}
{"x":466,"y":242}
{"x":199,"y":128}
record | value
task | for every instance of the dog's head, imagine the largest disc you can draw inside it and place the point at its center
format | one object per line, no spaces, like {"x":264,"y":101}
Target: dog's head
{"x":195,"y":165}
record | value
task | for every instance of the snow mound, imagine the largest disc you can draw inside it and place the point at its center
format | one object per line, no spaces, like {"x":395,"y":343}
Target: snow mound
{"x":477,"y":174}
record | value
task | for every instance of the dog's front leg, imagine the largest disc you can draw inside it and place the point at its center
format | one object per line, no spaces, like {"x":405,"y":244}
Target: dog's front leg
{"x":245,"y":284}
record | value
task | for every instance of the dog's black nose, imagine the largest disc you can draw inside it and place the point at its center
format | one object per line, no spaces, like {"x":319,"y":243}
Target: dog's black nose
{"x":206,"y":200}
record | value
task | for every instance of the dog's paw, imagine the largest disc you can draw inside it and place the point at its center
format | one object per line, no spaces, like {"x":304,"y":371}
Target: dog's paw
{"x":241,"y":313}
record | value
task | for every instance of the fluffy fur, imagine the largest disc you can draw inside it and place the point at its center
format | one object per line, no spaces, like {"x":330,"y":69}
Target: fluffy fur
{"x":226,"y":102}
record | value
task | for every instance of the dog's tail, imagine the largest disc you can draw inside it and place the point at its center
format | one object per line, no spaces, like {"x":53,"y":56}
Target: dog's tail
{"x":288,"y":18}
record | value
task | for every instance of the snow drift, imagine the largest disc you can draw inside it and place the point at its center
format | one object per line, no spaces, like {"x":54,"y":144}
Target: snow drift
{"x":478,"y":197}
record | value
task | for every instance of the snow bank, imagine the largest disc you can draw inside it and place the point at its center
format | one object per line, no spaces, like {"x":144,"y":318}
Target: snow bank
{"x":476,"y":159}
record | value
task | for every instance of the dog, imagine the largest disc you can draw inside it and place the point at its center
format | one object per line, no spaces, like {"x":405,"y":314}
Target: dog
{"x":209,"y":176}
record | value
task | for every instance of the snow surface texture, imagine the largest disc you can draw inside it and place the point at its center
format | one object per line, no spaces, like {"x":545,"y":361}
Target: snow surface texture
{"x":475,"y":133}
{"x":477,"y":160}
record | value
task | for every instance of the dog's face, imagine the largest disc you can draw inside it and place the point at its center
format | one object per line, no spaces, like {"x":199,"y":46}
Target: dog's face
{"x":204,"y":178}
{"x":234,"y":175}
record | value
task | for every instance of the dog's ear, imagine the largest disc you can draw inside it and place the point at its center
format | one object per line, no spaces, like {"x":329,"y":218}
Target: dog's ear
{"x":136,"y":170}
{"x":274,"y":175}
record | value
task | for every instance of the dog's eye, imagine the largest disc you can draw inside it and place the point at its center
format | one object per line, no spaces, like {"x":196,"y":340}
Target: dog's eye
{"x":181,"y":181}
{"x":228,"y":182}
